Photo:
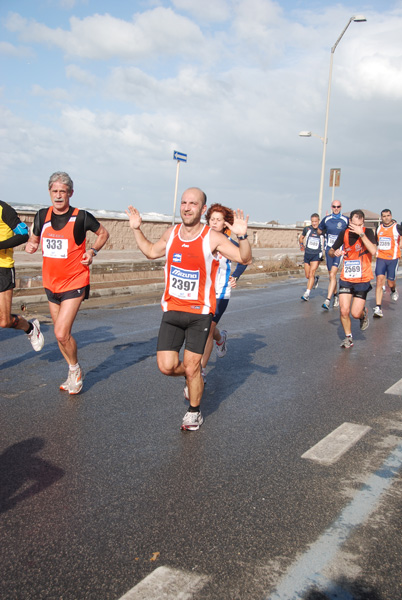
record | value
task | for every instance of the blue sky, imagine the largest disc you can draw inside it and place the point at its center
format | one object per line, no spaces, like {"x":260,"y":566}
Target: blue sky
{"x":107,"y":90}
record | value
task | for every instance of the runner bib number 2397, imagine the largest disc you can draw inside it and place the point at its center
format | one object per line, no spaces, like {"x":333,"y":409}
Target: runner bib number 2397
{"x":184,"y":283}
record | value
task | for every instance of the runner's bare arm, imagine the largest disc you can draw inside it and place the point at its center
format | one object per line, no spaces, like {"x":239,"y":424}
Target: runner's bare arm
{"x":149,"y":249}
{"x":102,"y":237}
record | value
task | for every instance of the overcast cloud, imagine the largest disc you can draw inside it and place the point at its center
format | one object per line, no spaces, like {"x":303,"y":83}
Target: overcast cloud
{"x":106,"y":91}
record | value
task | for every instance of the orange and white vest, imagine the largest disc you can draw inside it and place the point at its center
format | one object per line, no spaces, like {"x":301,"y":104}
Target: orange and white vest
{"x":388,"y":242}
{"x":356,"y":261}
{"x":190,"y":273}
{"x":62,"y":269}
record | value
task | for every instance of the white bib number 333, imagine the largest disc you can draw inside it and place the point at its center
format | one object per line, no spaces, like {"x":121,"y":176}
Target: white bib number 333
{"x":55,"y":248}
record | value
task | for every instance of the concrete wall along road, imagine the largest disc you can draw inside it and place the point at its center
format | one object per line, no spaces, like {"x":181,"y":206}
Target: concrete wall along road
{"x":121,"y":270}
{"x":122,"y":238}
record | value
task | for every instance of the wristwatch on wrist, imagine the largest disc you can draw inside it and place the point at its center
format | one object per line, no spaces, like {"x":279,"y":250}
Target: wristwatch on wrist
{"x":242,"y":237}
{"x":361,"y":235}
{"x":94,"y":251}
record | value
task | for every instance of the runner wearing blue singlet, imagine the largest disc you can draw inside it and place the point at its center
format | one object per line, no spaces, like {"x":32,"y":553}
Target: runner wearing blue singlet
{"x":311,"y":241}
{"x":331,"y":226}
{"x":217,"y":216}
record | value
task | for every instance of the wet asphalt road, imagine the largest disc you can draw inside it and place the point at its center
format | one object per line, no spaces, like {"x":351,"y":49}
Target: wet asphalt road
{"x":100,"y":490}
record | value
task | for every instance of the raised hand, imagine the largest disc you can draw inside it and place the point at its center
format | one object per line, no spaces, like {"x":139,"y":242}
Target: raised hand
{"x":239,"y":226}
{"x":134,"y":217}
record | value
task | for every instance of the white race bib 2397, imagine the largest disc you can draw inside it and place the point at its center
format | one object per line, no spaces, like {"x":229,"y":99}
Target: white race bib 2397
{"x":184,"y":283}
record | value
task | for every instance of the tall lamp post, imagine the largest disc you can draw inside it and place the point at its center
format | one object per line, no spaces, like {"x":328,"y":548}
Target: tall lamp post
{"x":357,"y":19}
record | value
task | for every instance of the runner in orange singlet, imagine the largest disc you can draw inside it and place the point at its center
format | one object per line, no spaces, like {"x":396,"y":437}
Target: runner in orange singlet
{"x":354,"y":283}
{"x":189,"y":300}
{"x":61,"y":231}
{"x":388,"y":237}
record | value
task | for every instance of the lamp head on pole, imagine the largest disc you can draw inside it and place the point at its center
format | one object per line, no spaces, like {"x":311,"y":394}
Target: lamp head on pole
{"x":305,"y":134}
{"x":359,"y":18}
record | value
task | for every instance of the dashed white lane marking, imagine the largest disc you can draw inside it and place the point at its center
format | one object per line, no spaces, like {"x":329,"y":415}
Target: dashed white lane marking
{"x":309,"y":571}
{"x":167,"y":584}
{"x":395,"y":389}
{"x":335,"y":444}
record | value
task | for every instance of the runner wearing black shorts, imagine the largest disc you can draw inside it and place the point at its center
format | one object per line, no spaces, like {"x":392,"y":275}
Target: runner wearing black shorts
{"x":13,"y":233}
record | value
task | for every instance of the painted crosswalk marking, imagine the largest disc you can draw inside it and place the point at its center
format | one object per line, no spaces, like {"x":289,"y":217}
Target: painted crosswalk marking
{"x":335,"y":444}
{"x":395,"y":389}
{"x":167,"y":584}
{"x":309,"y":572}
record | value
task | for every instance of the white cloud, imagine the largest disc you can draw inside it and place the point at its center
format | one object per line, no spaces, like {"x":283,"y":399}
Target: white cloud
{"x":7,"y":49}
{"x":101,"y":37}
{"x":82,"y":76}
{"x":205,"y":10}
{"x":58,"y":94}
{"x":376,"y":66}
{"x":68,"y":4}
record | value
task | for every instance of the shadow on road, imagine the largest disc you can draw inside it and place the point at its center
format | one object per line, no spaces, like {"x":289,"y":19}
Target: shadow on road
{"x":358,"y":590}
{"x":19,"y":468}
{"x":228,"y":376}
{"x":124,"y":355}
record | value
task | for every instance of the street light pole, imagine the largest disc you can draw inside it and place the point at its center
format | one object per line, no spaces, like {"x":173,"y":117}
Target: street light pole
{"x":357,"y":19}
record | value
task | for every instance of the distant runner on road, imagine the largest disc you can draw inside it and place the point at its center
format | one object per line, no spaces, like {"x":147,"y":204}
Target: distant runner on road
{"x":312,"y":242}
{"x":188,"y":302}
{"x":331,"y":226}
{"x":359,"y":247}
{"x":388,"y":237}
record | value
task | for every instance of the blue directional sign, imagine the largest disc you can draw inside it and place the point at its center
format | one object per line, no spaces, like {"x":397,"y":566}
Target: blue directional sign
{"x":179,"y":156}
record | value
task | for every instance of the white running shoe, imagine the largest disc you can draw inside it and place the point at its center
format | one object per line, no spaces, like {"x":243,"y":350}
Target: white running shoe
{"x":36,"y":336}
{"x":65,"y":386}
{"x":192,"y":421}
{"x":364,"y":320}
{"x":76,"y":381}
{"x":221,"y":348}
{"x":395,"y":295}
{"x":347,"y":342}
{"x":377,"y":312}
{"x":336,"y":302}
{"x":316,"y":278}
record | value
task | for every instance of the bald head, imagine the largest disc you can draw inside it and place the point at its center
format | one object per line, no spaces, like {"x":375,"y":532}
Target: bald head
{"x":197,"y":192}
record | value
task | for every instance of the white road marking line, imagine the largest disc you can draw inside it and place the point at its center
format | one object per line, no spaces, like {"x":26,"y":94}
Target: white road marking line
{"x":395,"y":389}
{"x":307,"y":573}
{"x":167,"y":584}
{"x":335,"y":444}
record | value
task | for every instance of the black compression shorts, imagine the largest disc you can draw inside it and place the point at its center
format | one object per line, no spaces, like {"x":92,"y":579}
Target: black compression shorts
{"x":177,"y":327}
